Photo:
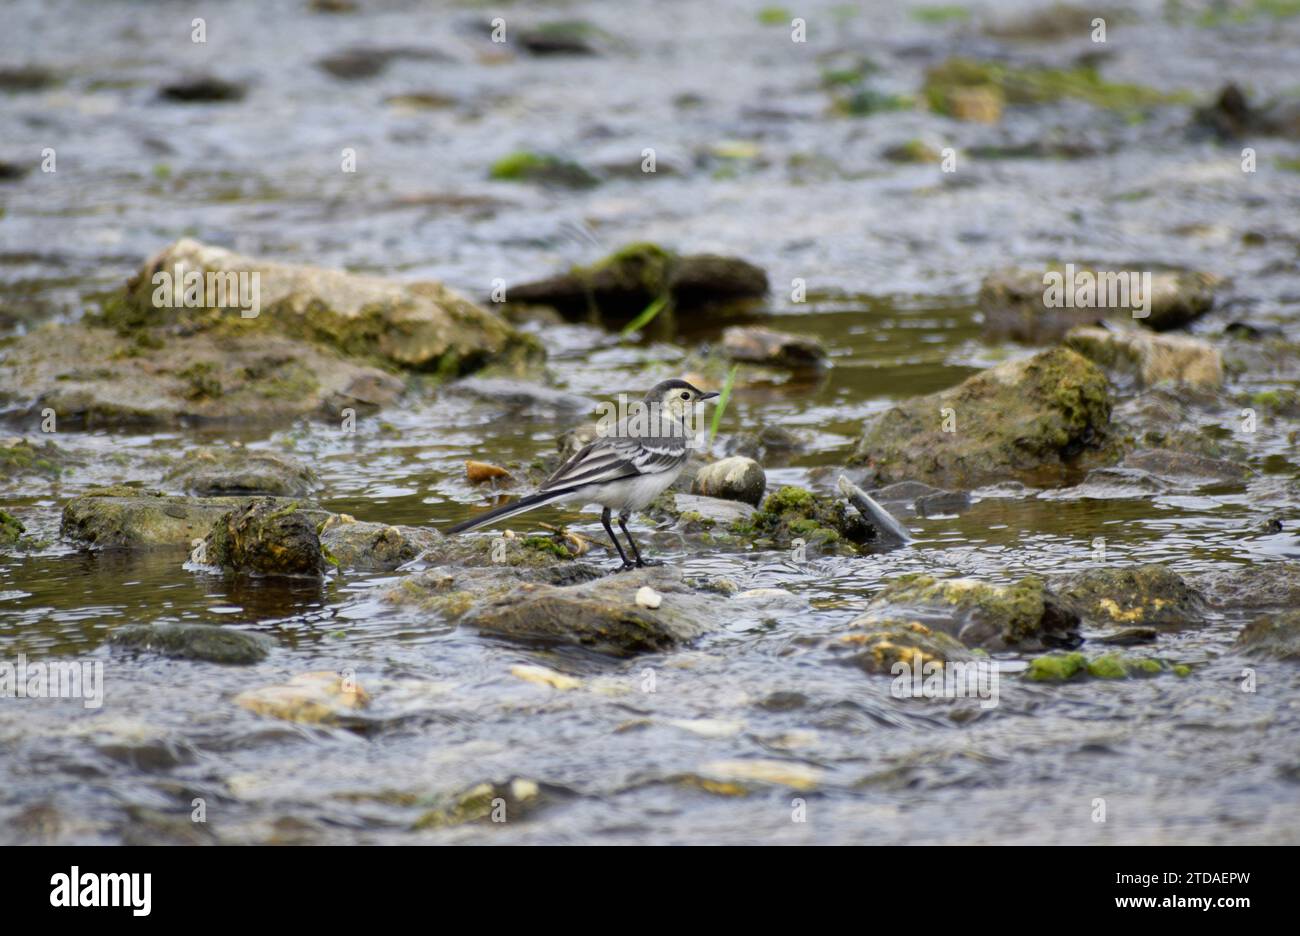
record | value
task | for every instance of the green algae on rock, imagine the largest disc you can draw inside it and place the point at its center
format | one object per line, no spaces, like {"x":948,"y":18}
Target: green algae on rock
{"x":20,"y":457}
{"x":422,"y":326}
{"x":1030,"y":420}
{"x":548,"y":169}
{"x":623,"y":284}
{"x":268,"y":537}
{"x":207,"y":642}
{"x":93,"y":377}
{"x":983,"y":615}
{"x":1150,"y":595}
{"x":1060,"y":667}
{"x":11,"y":529}
{"x":795,"y":516}
{"x":877,"y":641}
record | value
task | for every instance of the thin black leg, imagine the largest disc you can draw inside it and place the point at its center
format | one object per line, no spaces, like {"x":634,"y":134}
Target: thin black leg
{"x":622,"y":523}
{"x":604,"y":518}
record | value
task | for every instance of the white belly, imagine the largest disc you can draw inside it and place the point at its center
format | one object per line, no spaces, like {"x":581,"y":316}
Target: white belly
{"x":628,"y":494}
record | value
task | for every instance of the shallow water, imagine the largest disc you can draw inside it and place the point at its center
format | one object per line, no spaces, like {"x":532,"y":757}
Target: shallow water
{"x":892,"y":255}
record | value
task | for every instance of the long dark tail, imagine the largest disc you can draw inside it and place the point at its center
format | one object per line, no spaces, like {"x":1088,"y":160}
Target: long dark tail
{"x":523,"y":505}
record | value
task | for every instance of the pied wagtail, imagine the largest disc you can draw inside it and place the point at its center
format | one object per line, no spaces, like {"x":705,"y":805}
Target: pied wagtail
{"x":621,"y":470}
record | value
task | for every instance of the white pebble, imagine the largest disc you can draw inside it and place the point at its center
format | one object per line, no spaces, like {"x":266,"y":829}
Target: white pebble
{"x":647,"y":597}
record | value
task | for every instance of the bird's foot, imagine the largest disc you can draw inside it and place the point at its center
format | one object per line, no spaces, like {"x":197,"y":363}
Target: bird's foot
{"x":626,"y":567}
{"x":648,"y":563}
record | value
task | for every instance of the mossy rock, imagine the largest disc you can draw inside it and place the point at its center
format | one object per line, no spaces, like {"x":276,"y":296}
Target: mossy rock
{"x":207,"y":642}
{"x":372,"y":547}
{"x":545,"y":168}
{"x":978,"y":614}
{"x":11,"y":529}
{"x":20,"y":457}
{"x":1032,"y":420}
{"x":1150,"y":595}
{"x":623,"y":284}
{"x":793,"y":514}
{"x":125,"y":517}
{"x":421,"y":326}
{"x":1062,"y":667}
{"x":268,"y":537}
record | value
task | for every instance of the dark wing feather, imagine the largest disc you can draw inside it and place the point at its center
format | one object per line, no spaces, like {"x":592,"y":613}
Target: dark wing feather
{"x":610,"y":458}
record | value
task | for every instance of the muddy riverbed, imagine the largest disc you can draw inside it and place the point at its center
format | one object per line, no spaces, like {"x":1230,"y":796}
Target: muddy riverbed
{"x":785,"y":154}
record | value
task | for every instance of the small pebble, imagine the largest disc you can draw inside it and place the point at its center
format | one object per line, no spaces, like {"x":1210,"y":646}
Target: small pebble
{"x":647,"y":597}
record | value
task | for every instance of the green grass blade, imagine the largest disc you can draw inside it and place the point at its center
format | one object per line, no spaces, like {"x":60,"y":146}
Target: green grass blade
{"x":721,"y":405}
{"x":646,"y":317}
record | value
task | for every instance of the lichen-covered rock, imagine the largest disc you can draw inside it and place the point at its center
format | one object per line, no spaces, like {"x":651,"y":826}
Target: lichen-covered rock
{"x":877,"y":640}
{"x":623,"y":284}
{"x":735,"y":478}
{"x":93,"y":377}
{"x":603,"y":615}
{"x":756,"y":345}
{"x":1254,"y":585}
{"x":421,"y":326}
{"x":372,"y":547}
{"x":208,"y":642}
{"x":1275,"y":637}
{"x":125,"y":517}
{"x":989,"y":616}
{"x":234,"y":471}
{"x":1014,"y":303}
{"x":266,"y":536}
{"x":1060,"y":667}
{"x":1150,"y":595}
{"x":1028,"y":420}
{"x":796,"y":516}
{"x":1149,"y":358}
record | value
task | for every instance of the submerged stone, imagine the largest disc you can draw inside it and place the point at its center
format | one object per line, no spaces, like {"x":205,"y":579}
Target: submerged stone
{"x":313,"y":698}
{"x":208,"y":642}
{"x":1273,"y":584}
{"x":1030,"y":420}
{"x":1276,"y":636}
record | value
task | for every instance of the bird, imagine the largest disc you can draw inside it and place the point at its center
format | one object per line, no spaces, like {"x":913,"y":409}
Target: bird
{"x":623,"y":469}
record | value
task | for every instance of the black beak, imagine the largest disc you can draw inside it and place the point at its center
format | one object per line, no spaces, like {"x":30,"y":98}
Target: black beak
{"x":711,"y":395}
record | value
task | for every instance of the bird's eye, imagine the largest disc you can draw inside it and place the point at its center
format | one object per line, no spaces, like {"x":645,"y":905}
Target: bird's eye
{"x":685,"y":395}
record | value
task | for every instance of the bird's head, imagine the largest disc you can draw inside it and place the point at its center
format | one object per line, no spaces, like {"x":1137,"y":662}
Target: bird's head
{"x":678,"y":397}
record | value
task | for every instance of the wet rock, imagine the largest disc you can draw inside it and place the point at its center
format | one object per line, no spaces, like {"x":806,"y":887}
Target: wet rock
{"x":1179,"y":419}
{"x":21,"y":457}
{"x":202,"y":89}
{"x":1059,"y":21}
{"x":925,"y":500}
{"x":877,"y":640}
{"x":699,"y":514}
{"x":1060,"y":667}
{"x":1185,"y":466}
{"x":602,"y":615}
{"x":92,"y":377}
{"x":768,"y":444}
{"x":234,"y":471}
{"x":728,"y":777}
{"x":1025,"y":615}
{"x":208,"y":642}
{"x":520,"y":397}
{"x":564,"y":37}
{"x":542,"y":168}
{"x":1029,"y":419}
{"x":1149,"y":595}
{"x":422,"y":325}
{"x":735,"y":478}
{"x":1274,"y":637}
{"x":794,"y":516}
{"x":1149,"y":358}
{"x":20,"y":79}
{"x":756,"y":345}
{"x":1255,"y":585}
{"x":126,"y":517}
{"x":268,"y":537}
{"x":623,"y":284}
{"x":1230,"y":117}
{"x":1014,"y":302}
{"x":361,"y":62}
{"x":313,"y":698}
{"x":372,"y":547}
{"x":912,"y":151}
{"x":502,"y":802}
